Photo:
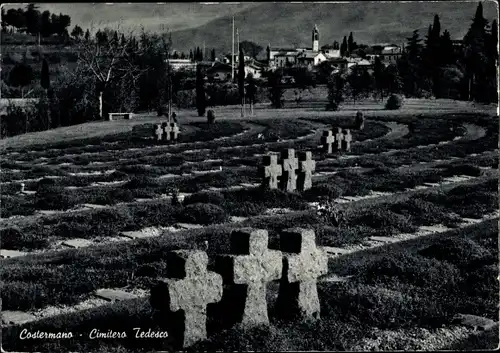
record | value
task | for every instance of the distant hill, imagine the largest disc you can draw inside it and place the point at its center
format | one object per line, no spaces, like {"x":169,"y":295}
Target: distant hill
{"x":289,"y":24}
{"x":131,"y":16}
{"x":280,"y":24}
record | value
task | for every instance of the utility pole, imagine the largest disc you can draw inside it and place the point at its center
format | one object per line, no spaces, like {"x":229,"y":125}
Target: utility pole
{"x":242,"y":98}
{"x":232,"y":55}
{"x":204,"y":54}
{"x":169,"y":106}
{"x":238,"y":42}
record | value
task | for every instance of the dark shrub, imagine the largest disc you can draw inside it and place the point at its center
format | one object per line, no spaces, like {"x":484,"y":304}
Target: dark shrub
{"x":215,"y":198}
{"x":113,"y":196}
{"x":458,"y":251}
{"x":14,"y":239}
{"x":45,"y":182}
{"x":245,"y":208}
{"x":323,"y":189}
{"x":98,"y":223}
{"x":379,"y":218}
{"x":394,"y":102}
{"x":210,"y":116}
{"x":378,"y":306}
{"x":395,"y":270}
{"x":332,"y":107}
{"x":53,"y":197}
{"x":463,"y":169}
{"x":16,"y":205}
{"x":141,"y":181}
{"x":425,"y":212}
{"x":203,"y":213}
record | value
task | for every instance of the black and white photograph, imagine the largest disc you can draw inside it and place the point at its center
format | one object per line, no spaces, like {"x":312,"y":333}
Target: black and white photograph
{"x":249,"y":176}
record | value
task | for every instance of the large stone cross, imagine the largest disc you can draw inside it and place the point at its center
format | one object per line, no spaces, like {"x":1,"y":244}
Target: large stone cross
{"x":247,"y":272}
{"x":306,"y":167}
{"x":303,"y":264}
{"x":271,"y":171}
{"x":339,"y":136}
{"x":175,"y":131}
{"x":327,"y":140}
{"x":347,"y":140}
{"x":184,"y":296}
{"x":167,"y":129}
{"x":158,"y":132}
{"x":290,"y":164}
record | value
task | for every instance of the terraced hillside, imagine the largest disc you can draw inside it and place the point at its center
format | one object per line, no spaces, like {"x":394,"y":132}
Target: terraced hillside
{"x":408,"y":218}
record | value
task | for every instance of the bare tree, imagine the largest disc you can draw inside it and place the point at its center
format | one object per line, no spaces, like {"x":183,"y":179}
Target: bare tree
{"x":110,"y":61}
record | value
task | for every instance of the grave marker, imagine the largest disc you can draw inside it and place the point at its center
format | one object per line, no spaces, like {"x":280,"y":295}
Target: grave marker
{"x":182,"y":299}
{"x":339,"y":137}
{"x":306,"y":167}
{"x":247,"y":270}
{"x":113,"y":295}
{"x":290,"y":164}
{"x":174,"y":131}
{"x":271,"y":171}
{"x":167,"y":129}
{"x":303,"y":264}
{"x":158,"y":132}
{"x":327,"y":141}
{"x":346,"y":143}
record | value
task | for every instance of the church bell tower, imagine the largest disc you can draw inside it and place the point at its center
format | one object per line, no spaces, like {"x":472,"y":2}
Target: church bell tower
{"x":315,"y":39}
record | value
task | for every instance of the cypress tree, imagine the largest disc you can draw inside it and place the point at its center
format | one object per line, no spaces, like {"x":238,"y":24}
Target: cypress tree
{"x":200,"y":92}
{"x":343,"y":47}
{"x":350,"y":43}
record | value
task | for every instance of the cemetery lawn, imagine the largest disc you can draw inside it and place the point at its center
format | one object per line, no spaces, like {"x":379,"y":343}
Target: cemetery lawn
{"x":405,"y":173}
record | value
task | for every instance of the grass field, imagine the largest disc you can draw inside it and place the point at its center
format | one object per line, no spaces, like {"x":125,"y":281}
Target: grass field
{"x":110,"y":186}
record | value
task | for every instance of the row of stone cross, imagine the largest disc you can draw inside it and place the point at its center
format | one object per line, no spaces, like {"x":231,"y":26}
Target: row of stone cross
{"x":342,"y":138}
{"x":288,"y":172}
{"x":238,"y":283}
{"x":166,"y":132}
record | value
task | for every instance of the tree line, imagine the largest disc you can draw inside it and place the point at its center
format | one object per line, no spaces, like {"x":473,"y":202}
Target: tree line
{"x":30,"y":21}
{"x":438,"y":67}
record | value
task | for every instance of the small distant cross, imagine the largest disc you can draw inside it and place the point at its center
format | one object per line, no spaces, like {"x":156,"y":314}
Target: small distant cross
{"x":167,"y":129}
{"x":339,"y":136}
{"x":327,"y":140}
{"x":347,"y":140}
{"x":271,"y":171}
{"x":290,"y":165}
{"x":158,"y":132}
{"x":175,"y":131}
{"x":306,"y":167}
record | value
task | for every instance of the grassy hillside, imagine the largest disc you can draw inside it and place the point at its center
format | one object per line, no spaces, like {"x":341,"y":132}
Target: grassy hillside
{"x":282,"y":24}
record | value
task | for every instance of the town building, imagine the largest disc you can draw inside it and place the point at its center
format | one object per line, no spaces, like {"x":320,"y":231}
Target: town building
{"x":290,"y":57}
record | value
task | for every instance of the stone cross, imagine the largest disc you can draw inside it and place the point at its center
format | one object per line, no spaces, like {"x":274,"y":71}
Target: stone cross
{"x":302,"y":265}
{"x":347,"y":140}
{"x":306,"y":167}
{"x":327,"y":140}
{"x":271,"y":171}
{"x":184,"y":296}
{"x":167,"y":129}
{"x":339,"y":137}
{"x":158,"y":132}
{"x":247,"y":271}
{"x":290,"y":164}
{"x":175,"y":131}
